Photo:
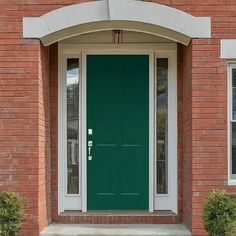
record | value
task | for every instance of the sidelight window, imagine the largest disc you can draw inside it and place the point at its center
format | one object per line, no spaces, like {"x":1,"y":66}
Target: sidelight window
{"x":232,"y":115}
{"x":162,"y":125}
{"x":73,"y":126}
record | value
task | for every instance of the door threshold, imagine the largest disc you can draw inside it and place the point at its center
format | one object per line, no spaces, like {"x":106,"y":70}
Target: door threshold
{"x":118,"y":213}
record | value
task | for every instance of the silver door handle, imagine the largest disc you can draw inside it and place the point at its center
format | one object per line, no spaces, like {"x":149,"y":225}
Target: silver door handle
{"x":90,"y":144}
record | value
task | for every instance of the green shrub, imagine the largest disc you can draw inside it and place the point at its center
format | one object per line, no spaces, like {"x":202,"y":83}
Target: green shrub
{"x":11,"y":213}
{"x":219,"y":213}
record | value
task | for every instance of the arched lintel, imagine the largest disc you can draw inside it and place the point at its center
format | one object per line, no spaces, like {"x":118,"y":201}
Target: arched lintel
{"x":111,"y":25}
{"x":146,"y":17}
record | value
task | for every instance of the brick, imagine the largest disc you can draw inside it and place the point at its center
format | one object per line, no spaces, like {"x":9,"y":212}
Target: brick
{"x":28,"y":117}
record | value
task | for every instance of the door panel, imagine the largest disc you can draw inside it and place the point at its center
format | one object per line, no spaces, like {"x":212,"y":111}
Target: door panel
{"x":117,"y":106}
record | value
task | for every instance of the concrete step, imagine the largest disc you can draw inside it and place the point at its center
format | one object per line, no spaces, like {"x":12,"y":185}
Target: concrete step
{"x":116,"y":230}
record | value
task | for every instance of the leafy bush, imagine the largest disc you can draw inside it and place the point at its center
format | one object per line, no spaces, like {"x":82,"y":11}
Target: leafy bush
{"x":219,"y":213}
{"x":11,"y":213}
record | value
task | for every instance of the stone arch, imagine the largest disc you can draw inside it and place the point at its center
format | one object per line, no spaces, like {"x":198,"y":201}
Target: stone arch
{"x":140,"y":16}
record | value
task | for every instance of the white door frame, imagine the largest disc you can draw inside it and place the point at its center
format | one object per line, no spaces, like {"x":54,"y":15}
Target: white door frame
{"x":67,"y":50}
{"x":169,"y":201}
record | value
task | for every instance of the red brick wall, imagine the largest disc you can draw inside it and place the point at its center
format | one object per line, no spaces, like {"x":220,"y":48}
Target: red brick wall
{"x":24,"y":138}
{"x":44,"y":195}
{"x":25,"y":119}
{"x":180,"y":129}
{"x":54,"y":124}
{"x":187,"y":135}
{"x":209,"y":124}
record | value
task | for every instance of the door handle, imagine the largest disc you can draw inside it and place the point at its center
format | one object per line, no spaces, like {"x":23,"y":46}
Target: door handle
{"x":90,"y":144}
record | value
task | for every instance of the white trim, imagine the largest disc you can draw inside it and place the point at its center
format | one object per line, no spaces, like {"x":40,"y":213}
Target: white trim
{"x":229,"y":122}
{"x":66,"y":201}
{"x":84,"y":133}
{"x":231,"y":181}
{"x":151,"y":50}
{"x":125,"y":47}
{"x":227,"y":49}
{"x":228,"y":52}
{"x":169,"y":201}
{"x":133,"y":15}
{"x":115,"y":51}
{"x":151,"y":131}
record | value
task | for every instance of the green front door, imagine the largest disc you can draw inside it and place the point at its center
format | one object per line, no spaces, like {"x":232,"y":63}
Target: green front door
{"x":117,"y":122}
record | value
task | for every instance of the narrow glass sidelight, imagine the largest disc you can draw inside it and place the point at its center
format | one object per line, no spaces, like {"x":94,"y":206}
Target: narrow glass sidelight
{"x":162,"y":126}
{"x":73,"y":126}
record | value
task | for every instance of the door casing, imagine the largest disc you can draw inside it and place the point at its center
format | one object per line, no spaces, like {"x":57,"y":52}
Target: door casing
{"x":151,"y":119}
{"x":81,"y":51}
